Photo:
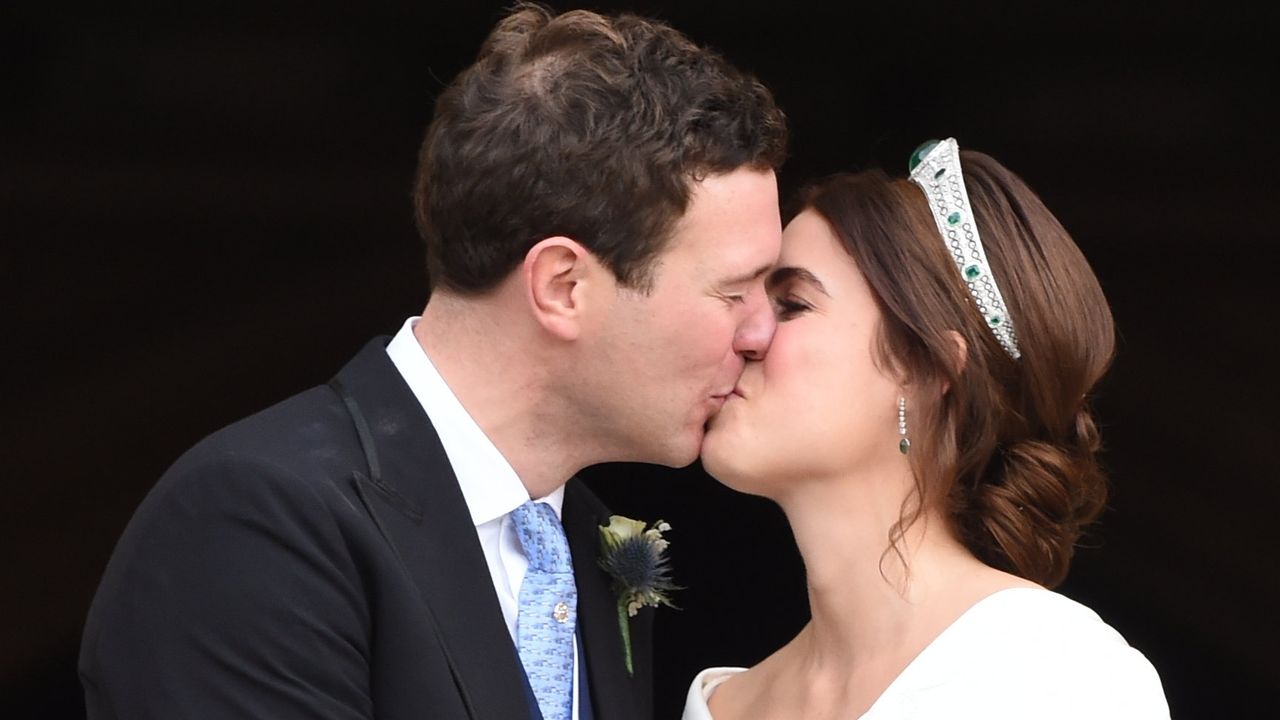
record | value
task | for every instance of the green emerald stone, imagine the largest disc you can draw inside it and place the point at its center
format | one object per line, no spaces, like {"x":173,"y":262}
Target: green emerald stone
{"x":917,"y":156}
{"x":953,"y":218}
{"x":972,"y":272}
{"x":904,"y":445}
{"x":994,"y":320}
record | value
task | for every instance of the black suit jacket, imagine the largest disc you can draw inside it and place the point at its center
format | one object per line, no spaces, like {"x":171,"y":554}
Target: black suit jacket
{"x":317,"y":560}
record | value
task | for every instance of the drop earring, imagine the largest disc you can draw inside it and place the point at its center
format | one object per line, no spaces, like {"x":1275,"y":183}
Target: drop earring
{"x":904,"y":444}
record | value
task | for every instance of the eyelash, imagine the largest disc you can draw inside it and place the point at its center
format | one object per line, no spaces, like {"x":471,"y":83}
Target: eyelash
{"x":788,"y":308}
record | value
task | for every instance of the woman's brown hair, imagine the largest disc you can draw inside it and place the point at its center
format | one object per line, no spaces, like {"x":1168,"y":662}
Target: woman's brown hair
{"x":1006,"y":448}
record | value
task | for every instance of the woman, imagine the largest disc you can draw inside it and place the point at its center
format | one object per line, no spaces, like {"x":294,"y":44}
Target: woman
{"x":922,"y":418}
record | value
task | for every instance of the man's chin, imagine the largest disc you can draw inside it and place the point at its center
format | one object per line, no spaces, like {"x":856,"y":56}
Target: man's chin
{"x":688,"y":448}
{"x":694,"y":445}
{"x":677,"y":453}
{"x":689,"y":454}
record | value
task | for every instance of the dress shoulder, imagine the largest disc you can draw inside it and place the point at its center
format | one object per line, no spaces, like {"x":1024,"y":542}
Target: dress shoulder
{"x":1026,"y":652}
{"x":695,"y":707}
{"x":1017,"y":654}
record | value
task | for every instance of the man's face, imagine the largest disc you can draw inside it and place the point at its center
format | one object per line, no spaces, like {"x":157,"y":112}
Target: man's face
{"x":667,"y":360}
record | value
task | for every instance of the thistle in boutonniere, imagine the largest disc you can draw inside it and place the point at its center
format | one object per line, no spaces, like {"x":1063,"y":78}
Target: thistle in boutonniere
{"x":635,"y":557}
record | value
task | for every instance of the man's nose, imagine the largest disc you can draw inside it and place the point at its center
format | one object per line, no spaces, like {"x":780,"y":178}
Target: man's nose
{"x":756,"y":331}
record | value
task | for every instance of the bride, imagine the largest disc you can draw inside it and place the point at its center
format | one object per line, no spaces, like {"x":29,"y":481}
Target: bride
{"x":922,"y":418}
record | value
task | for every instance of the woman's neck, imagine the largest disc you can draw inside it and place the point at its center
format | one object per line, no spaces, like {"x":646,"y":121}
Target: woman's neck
{"x":874,"y":605}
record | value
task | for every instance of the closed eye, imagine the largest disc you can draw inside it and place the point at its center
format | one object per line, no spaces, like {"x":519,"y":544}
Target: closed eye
{"x":787,"y":308}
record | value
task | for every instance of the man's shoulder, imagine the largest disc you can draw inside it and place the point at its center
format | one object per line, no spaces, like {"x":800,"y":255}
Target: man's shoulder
{"x":298,"y":426}
{"x":297,"y":447}
{"x":305,"y":433}
{"x":310,"y":431}
{"x":306,"y":445}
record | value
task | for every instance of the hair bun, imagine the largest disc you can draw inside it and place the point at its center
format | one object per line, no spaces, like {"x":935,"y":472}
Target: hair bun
{"x":1033,"y":509}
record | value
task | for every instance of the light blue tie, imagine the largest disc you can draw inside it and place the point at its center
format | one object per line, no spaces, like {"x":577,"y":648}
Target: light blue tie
{"x":548,"y":609}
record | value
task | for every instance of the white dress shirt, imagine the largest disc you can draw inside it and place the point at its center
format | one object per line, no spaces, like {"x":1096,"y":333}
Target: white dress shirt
{"x":489,"y":484}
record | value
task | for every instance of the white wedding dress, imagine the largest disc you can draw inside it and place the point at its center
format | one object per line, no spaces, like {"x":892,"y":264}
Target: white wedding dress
{"x":1017,"y":654}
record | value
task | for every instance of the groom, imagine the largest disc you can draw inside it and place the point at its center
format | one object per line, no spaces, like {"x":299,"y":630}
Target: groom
{"x":599,"y":207}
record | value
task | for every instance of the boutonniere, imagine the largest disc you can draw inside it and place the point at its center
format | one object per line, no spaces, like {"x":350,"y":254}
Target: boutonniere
{"x":635,"y":557}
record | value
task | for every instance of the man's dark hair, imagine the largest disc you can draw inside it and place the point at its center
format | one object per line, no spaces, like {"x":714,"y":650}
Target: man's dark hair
{"x":590,"y":127}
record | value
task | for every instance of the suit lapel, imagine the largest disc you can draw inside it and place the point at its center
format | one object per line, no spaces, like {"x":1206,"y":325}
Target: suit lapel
{"x":414,"y":497}
{"x":615,"y":695}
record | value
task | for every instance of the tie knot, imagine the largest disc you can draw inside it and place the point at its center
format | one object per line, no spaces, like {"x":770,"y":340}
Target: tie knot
{"x":542,"y":537}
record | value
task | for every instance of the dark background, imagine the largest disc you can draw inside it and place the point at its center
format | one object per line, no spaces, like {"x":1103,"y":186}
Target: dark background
{"x":204,"y":210}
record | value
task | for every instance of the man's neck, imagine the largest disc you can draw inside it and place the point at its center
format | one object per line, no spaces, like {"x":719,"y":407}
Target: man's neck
{"x":496,"y":369}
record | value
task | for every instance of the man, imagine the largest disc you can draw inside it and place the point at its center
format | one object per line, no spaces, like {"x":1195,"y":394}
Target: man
{"x":599,"y":206}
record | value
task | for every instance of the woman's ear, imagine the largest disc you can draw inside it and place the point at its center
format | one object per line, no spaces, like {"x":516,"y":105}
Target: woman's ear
{"x":959,"y":357}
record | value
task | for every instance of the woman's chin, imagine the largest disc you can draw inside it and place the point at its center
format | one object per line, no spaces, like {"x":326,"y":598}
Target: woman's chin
{"x":726,"y":460}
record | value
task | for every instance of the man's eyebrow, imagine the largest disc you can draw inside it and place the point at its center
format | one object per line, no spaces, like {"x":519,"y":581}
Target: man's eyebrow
{"x":749,"y":277}
{"x":783,"y":274}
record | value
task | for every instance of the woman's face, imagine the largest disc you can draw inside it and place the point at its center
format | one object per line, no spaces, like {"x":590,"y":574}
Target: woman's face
{"x":817,"y":406}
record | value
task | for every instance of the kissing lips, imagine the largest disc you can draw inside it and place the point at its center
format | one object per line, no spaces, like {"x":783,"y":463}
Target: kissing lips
{"x":717,"y":401}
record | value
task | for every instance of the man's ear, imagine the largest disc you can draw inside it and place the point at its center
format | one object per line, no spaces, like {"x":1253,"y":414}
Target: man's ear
{"x":555,"y":272}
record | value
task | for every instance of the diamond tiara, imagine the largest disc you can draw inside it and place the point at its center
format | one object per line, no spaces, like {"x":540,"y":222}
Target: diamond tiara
{"x":935,"y":167}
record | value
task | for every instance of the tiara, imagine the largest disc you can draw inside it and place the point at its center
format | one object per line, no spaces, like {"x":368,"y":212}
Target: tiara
{"x":935,"y":167}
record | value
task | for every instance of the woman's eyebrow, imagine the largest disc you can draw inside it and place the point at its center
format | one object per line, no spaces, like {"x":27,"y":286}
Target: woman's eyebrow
{"x":791,"y":272}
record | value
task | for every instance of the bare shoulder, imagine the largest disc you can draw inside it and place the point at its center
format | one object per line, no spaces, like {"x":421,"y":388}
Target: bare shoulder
{"x":752,"y":694}
{"x":734,"y":697}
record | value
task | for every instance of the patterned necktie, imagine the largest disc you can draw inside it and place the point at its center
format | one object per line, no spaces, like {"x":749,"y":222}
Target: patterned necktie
{"x":548,"y":609}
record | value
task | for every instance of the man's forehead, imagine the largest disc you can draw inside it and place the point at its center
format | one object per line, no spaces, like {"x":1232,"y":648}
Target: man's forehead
{"x":749,"y":276}
{"x":731,"y":230}
{"x":732,"y":193}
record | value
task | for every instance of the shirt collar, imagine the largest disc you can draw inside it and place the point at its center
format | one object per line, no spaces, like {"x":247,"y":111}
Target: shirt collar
{"x":489,"y":484}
